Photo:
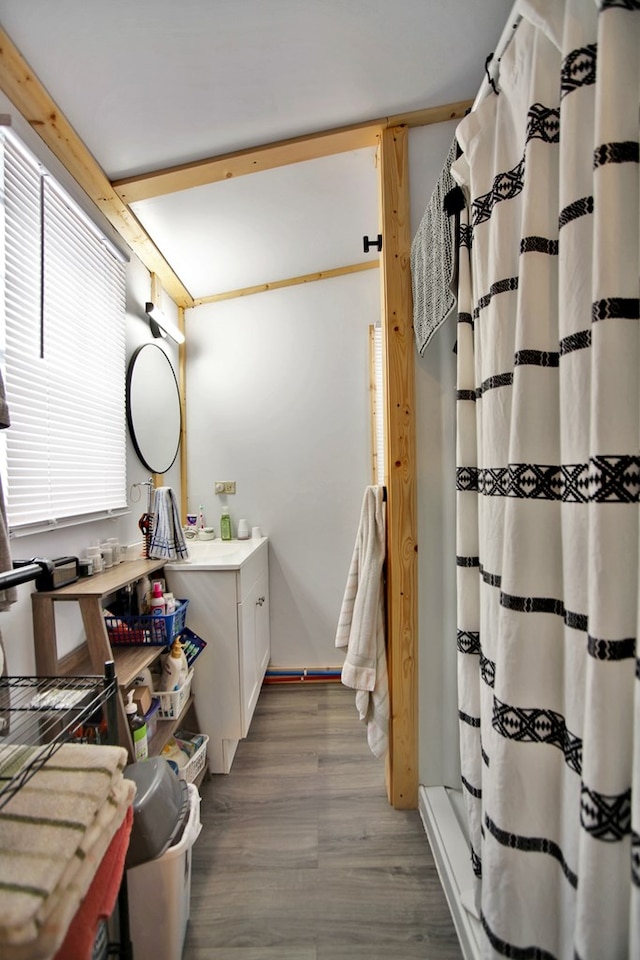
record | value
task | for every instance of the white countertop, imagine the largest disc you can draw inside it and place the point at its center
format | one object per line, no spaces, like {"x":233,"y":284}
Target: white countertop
{"x":217,"y":554}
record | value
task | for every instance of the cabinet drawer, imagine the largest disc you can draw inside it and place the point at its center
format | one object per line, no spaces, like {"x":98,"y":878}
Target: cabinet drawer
{"x":251,"y":571}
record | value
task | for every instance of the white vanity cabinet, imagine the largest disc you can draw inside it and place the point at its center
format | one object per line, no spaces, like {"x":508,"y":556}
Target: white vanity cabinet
{"x":227,"y":585}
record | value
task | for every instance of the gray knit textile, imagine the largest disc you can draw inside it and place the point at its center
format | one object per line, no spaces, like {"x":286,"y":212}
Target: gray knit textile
{"x":432,"y":261}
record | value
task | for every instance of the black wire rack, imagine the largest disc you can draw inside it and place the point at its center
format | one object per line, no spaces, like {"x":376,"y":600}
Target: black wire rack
{"x":39,"y":714}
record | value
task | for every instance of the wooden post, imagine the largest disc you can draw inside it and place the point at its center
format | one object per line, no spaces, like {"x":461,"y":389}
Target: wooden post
{"x":402,"y":605}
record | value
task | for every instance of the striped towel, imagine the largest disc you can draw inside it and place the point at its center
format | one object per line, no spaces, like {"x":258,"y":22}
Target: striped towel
{"x":433,"y":261}
{"x":361,"y":624}
{"x":53,"y":835}
{"x":167,"y":539}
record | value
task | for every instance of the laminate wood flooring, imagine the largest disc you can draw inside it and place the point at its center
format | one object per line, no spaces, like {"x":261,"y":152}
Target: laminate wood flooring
{"x":301,"y":857}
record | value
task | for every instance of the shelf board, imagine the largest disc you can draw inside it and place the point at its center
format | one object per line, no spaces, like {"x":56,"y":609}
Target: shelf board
{"x":129,"y":662}
{"x":102,"y":584}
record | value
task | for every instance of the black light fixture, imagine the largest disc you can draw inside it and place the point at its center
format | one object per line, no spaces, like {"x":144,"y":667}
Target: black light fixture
{"x":160,"y":325}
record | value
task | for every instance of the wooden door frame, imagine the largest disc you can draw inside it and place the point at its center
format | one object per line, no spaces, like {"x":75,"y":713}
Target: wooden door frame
{"x":400,"y":445}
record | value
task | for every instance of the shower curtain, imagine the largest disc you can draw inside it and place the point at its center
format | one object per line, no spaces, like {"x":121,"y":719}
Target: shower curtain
{"x":548,"y":478}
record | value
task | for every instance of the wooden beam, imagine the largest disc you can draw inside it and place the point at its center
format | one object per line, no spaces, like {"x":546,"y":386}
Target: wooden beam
{"x":182,"y":388}
{"x":282,"y":153}
{"x":289,"y":282}
{"x":398,"y":352}
{"x":25,"y":91}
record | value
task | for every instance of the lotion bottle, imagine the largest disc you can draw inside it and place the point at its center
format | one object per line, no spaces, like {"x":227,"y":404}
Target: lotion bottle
{"x":174,"y":672}
{"x":225,"y":524}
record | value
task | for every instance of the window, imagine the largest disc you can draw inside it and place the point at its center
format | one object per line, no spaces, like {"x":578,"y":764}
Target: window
{"x":63,"y":352}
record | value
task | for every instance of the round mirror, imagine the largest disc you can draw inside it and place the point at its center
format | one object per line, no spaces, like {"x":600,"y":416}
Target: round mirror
{"x":153,"y":407}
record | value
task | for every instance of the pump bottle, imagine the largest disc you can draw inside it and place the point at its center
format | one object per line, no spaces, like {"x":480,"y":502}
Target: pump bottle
{"x":225,"y":524}
{"x":174,"y":671}
{"x":138,"y":729}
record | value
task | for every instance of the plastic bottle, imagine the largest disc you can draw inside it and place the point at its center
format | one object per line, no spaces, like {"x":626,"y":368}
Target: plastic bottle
{"x":200,"y":518}
{"x":174,"y":670}
{"x":138,"y":729}
{"x":225,"y":524}
{"x":157,"y":603}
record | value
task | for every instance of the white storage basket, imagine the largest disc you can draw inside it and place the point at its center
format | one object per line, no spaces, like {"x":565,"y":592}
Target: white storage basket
{"x":172,"y":704}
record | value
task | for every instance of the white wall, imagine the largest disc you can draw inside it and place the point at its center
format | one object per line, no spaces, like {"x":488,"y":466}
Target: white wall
{"x":278,"y":400}
{"x":16,"y":623}
{"x":435,"y":430}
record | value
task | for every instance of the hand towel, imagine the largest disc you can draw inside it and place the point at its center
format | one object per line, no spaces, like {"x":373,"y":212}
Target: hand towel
{"x":167,"y":539}
{"x":433,"y":261}
{"x":361,"y":623}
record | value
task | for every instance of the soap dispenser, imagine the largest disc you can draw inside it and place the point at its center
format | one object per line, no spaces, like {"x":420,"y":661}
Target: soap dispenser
{"x":225,"y":524}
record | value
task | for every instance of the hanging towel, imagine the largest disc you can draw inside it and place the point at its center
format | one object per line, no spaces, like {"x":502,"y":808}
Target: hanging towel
{"x":167,"y":539}
{"x":361,"y":624}
{"x":433,"y":261}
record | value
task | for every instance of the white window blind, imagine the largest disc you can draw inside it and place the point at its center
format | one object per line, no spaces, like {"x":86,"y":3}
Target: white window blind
{"x":64,"y":353}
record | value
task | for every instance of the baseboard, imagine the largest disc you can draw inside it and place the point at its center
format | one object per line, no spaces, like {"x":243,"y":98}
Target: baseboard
{"x":451,"y":854}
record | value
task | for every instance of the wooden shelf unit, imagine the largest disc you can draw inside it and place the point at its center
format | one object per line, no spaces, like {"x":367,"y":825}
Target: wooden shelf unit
{"x":90,"y":594}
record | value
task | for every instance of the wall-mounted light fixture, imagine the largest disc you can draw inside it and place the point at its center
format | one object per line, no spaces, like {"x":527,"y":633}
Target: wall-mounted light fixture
{"x":160,"y":325}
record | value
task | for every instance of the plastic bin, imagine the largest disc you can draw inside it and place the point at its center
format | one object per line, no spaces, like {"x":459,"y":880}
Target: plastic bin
{"x":160,"y":894}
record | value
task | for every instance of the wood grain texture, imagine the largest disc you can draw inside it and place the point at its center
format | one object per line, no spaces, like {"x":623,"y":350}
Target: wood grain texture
{"x":268,"y":156}
{"x":288,"y":282}
{"x":400,"y":442}
{"x":301,"y":857}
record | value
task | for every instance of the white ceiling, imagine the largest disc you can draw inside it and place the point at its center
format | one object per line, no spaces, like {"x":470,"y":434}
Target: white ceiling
{"x":151,"y":83}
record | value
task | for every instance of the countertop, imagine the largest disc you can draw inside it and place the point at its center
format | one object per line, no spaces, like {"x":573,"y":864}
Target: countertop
{"x":217,"y":554}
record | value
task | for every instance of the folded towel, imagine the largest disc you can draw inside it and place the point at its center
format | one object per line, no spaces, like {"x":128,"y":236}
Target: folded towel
{"x":432,"y":260}
{"x":167,"y":539}
{"x":100,"y":899}
{"x":53,"y":835}
{"x":361,"y":624}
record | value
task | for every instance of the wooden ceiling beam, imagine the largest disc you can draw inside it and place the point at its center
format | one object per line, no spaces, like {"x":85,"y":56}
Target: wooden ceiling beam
{"x":22,"y":87}
{"x":288,"y":282}
{"x":282,"y":153}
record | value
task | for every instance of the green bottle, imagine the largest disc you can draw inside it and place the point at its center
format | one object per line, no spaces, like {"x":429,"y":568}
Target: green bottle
{"x":225,"y":524}
{"x":138,"y":729}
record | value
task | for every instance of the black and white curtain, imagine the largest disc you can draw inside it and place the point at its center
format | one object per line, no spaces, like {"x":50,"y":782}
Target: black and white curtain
{"x":548,"y":480}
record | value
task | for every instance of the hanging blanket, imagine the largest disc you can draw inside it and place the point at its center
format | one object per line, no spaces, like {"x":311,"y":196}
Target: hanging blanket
{"x":432,"y":260}
{"x":361,"y":624}
{"x":167,"y":539}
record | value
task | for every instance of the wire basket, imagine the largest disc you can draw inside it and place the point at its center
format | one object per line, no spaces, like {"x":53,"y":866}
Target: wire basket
{"x":158,"y":630}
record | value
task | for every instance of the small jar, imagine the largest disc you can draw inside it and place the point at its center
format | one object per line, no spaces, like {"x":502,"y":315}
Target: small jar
{"x":85,"y":567}
{"x":107,"y":555}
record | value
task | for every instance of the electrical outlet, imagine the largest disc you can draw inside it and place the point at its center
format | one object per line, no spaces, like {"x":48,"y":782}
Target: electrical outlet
{"x":225,"y":486}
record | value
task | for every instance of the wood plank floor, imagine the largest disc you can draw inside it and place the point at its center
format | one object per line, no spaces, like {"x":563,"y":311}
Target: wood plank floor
{"x":301,"y":857}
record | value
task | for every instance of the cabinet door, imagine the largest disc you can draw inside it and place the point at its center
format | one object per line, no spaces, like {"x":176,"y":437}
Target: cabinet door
{"x":253,"y":620}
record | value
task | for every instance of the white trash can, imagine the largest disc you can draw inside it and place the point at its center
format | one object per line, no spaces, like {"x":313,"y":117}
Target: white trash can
{"x":160,"y":895}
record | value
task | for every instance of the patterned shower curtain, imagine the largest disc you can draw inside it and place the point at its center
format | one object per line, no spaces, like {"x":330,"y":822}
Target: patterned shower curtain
{"x":548,"y":480}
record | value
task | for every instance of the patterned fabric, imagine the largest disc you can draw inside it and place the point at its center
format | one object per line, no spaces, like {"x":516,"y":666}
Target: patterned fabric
{"x":432,"y":261}
{"x":548,"y":483}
